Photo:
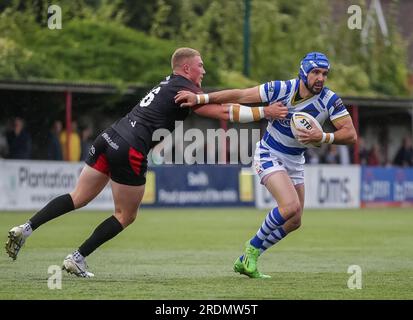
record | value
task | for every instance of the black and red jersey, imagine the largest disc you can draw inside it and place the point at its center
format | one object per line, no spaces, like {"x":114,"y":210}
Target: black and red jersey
{"x":157,"y":110}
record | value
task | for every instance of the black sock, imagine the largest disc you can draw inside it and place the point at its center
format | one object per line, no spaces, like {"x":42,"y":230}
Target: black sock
{"x":53,"y":209}
{"x":104,"y":232}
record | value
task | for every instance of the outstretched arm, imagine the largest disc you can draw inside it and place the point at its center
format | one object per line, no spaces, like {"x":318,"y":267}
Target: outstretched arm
{"x":240,"y":113}
{"x":190,"y":99}
{"x":214,"y":111}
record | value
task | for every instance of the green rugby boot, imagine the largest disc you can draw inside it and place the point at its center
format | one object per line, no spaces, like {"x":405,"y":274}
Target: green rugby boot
{"x":250,"y":258}
{"x":239,"y":267}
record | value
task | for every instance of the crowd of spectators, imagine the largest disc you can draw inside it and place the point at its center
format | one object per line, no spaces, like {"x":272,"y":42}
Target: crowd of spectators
{"x":376,"y":155}
{"x":16,"y":143}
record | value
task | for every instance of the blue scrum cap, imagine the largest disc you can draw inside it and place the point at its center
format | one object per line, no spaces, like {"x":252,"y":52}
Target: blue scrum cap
{"x":310,"y":61}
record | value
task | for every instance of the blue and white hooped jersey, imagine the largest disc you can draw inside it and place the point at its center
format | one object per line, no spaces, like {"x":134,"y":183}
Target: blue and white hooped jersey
{"x":278,"y":135}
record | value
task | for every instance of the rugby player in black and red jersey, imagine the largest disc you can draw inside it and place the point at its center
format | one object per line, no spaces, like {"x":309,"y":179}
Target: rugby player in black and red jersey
{"x":119,"y":155}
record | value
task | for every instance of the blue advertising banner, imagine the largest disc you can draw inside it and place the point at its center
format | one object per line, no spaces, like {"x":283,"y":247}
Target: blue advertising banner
{"x":386,"y":187}
{"x":198,"y":185}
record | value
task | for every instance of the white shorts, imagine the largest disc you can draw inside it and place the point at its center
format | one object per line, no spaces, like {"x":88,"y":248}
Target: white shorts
{"x":268,"y":161}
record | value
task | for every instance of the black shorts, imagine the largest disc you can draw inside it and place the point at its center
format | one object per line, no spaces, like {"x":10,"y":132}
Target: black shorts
{"x":113,"y":156}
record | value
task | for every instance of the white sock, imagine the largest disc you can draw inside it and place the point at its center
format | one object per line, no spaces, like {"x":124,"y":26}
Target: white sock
{"x":77,"y":256}
{"x":27,"y":229}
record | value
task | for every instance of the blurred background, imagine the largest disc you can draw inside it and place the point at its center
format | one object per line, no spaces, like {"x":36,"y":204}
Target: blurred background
{"x":74,"y":67}
{"x":69,"y":69}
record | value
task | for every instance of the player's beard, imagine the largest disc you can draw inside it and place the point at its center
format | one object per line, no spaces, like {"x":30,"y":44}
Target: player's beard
{"x":313,"y":90}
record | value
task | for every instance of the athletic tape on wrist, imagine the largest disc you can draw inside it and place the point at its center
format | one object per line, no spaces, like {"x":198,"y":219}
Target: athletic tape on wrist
{"x":262,"y":114}
{"x":327,"y":138}
{"x":202,"y":99}
{"x":331,"y":140}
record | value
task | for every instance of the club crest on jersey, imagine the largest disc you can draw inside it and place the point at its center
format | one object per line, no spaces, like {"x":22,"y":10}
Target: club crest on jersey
{"x":285,"y":122}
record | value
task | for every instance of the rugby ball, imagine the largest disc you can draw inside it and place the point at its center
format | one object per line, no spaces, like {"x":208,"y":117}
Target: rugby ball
{"x":303,"y":120}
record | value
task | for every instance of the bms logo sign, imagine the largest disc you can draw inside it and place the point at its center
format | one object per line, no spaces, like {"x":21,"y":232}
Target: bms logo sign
{"x":333,"y":189}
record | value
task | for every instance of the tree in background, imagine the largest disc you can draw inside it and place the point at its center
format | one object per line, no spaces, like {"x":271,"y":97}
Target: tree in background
{"x":93,"y":45}
{"x":97,"y":42}
{"x":376,"y":67}
{"x":386,"y":58}
{"x":281,"y":33}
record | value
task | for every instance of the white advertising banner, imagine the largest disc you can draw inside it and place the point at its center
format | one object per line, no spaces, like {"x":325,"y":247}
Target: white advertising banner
{"x":326,"y":186}
{"x":29,"y":185}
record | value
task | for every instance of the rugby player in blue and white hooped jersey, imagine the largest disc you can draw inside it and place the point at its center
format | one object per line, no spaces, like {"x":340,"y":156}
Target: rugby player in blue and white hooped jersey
{"x":279,"y":157}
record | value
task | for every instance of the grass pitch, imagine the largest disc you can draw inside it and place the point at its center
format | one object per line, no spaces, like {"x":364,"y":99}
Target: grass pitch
{"x":188,"y":254}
